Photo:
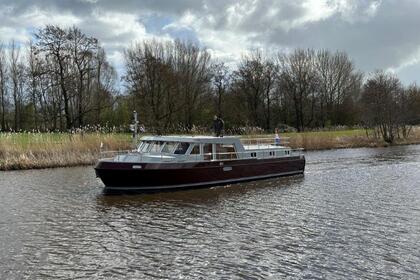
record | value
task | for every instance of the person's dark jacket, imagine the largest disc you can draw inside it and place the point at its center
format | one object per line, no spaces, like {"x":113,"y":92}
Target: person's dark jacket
{"x":218,"y":125}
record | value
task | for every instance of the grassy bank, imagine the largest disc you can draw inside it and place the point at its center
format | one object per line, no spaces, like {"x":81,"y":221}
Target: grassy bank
{"x":42,"y":150}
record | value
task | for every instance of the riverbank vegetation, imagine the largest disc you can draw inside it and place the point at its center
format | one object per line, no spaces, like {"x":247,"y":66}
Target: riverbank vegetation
{"x":43,"y":150}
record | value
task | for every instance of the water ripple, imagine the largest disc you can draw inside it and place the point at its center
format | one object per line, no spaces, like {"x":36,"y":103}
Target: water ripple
{"x":355,"y":214}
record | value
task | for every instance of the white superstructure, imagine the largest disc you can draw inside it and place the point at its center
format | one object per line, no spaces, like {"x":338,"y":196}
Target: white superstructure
{"x":203,"y":148}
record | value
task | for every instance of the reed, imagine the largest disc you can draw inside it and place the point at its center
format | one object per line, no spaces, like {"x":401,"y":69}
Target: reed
{"x":345,"y":139}
{"x":44,"y":150}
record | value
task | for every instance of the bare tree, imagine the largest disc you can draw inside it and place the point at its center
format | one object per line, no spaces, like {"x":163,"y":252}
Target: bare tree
{"x":255,"y":78}
{"x":151,"y":76}
{"x":103,"y":85}
{"x":220,"y":81}
{"x":337,"y":78}
{"x":270,"y":79}
{"x":299,"y":82}
{"x":82,"y":52}
{"x":170,"y":79}
{"x":74,"y":79}
{"x":192,"y":67}
{"x":17,"y":72}
{"x":33,"y":75}
{"x":53,"y":42}
{"x":382,"y":104}
{"x":412,"y":105}
{"x":3,"y":88}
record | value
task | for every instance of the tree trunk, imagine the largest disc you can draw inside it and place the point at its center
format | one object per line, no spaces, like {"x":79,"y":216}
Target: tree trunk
{"x":65,"y":97}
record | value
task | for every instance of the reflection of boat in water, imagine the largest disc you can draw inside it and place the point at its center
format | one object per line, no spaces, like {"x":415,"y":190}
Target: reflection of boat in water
{"x":175,"y":162}
{"x":197,"y":197}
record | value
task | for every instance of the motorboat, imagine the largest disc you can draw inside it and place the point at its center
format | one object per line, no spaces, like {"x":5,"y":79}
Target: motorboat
{"x":162,"y":163}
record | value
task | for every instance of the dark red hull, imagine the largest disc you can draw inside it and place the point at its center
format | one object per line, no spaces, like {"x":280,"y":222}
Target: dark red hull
{"x":145,"y":177}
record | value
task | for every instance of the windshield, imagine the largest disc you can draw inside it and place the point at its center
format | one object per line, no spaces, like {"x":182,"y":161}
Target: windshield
{"x":182,"y":148}
{"x":195,"y":150}
{"x":140,"y":145}
{"x":144,"y":147}
{"x":169,"y":147}
{"x":156,"y":147}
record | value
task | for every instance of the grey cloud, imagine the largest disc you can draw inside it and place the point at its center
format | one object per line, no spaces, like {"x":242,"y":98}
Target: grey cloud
{"x":381,"y":38}
{"x":77,"y":7}
{"x":84,"y":7}
{"x":259,"y":20}
{"x":383,"y":41}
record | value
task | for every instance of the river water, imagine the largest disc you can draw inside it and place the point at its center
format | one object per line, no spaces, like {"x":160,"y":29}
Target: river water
{"x":354,"y":214}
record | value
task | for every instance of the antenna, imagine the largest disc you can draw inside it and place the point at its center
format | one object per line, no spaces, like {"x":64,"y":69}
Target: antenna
{"x":134,"y":127}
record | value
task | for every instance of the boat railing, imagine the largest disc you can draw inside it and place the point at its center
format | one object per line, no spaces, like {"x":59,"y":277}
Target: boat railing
{"x":112,"y":154}
{"x":265,"y":141}
{"x":224,"y":156}
{"x":262,"y":154}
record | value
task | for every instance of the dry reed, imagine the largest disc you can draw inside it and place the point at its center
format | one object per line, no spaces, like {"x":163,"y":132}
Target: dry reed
{"x":44,"y":150}
{"x":335,"y":140}
{"x":20,"y":151}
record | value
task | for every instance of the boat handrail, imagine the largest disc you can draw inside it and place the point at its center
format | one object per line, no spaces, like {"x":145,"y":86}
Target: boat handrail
{"x":263,"y":141}
{"x":246,"y":141}
{"x":262,"y":138}
{"x":113,"y":153}
{"x":224,"y":156}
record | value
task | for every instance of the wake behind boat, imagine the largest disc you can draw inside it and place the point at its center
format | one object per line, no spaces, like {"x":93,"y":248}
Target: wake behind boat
{"x":175,"y":162}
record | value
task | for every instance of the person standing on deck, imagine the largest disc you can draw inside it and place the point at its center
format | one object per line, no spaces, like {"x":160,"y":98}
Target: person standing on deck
{"x":277,"y":137}
{"x":218,"y":125}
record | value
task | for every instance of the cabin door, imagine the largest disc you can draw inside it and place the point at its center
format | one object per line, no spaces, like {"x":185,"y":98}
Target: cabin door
{"x":208,"y":151}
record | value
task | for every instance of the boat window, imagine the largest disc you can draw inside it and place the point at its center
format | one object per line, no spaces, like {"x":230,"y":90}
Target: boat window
{"x":156,"y":147}
{"x":169,"y":147}
{"x":207,"y":150}
{"x":182,"y":148}
{"x":195,"y":150}
{"x":140,"y":146}
{"x":145,"y":147}
{"x":225,"y":151}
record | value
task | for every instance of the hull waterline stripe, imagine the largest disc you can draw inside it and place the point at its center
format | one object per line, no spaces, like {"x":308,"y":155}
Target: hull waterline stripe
{"x":204,"y":183}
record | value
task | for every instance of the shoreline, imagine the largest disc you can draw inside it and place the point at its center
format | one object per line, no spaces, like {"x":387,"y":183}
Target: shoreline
{"x":41,"y":151}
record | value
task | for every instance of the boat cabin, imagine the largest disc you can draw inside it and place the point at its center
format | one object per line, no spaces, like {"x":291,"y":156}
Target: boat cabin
{"x":201,"y":148}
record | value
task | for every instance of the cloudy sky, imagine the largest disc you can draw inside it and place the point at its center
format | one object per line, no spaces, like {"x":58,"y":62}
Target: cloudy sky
{"x":376,"y":34}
